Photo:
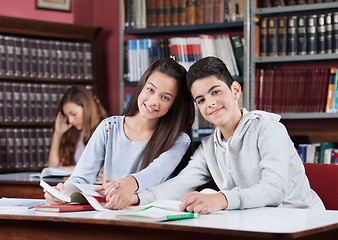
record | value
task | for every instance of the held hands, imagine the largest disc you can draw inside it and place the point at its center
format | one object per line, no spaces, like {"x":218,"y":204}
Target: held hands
{"x":53,"y":200}
{"x":61,"y":125}
{"x":203,"y":203}
{"x":119,"y":193}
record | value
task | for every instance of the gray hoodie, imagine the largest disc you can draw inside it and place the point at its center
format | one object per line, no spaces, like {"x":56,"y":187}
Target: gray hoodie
{"x":257,"y":167}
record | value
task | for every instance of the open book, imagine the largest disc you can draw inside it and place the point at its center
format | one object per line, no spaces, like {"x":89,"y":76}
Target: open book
{"x":51,"y":172}
{"x":79,"y":193}
{"x":156,"y":212}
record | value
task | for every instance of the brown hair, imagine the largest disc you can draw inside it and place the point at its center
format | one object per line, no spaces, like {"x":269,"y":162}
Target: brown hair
{"x":178,"y":119}
{"x":93,"y":113}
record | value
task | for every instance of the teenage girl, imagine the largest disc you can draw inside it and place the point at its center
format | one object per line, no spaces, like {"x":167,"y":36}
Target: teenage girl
{"x":142,"y":147}
{"x":79,"y":113}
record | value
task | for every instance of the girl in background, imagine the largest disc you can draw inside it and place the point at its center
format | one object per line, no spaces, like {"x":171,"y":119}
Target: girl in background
{"x":79,"y":113}
{"x":142,"y":147}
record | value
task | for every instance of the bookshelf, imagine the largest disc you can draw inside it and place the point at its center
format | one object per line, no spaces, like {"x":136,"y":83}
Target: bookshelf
{"x":39,"y":61}
{"x":231,"y":27}
{"x":306,"y":121}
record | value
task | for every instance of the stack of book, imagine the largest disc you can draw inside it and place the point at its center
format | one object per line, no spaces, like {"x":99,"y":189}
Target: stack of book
{"x":163,"y":13}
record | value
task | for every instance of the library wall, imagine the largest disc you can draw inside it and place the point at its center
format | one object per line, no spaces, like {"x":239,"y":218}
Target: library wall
{"x":103,"y":13}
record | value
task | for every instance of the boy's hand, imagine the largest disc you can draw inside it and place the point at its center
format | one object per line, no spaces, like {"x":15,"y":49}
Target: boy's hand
{"x":53,"y":200}
{"x":203,"y":203}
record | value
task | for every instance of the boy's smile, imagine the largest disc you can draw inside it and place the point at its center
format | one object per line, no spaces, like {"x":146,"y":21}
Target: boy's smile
{"x":217,"y":102}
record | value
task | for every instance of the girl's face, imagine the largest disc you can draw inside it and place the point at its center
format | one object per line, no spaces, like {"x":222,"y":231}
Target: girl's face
{"x":74,"y":114}
{"x":157,"y":95}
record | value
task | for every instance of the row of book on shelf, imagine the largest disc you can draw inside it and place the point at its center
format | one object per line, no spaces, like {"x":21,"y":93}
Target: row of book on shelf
{"x":30,"y":102}
{"x":318,"y":153}
{"x":276,"y":3}
{"x":297,"y":90}
{"x":140,"y":53}
{"x":164,"y":13}
{"x":41,"y":58}
{"x":24,"y":148}
{"x":298,"y":34}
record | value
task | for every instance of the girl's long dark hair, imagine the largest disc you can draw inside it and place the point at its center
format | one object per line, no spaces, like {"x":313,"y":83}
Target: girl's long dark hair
{"x":93,"y":113}
{"x":178,"y":119}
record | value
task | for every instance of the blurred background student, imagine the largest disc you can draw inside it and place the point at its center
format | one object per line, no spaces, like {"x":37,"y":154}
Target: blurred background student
{"x":79,"y":113}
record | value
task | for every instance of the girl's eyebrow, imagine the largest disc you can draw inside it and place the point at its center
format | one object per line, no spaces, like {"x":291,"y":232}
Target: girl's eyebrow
{"x":199,"y":96}
{"x":168,"y":93}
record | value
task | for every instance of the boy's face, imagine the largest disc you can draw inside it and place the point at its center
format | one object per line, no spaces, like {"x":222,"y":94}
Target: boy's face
{"x":216,"y":101}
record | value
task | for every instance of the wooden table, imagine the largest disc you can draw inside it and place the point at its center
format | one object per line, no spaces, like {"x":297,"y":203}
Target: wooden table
{"x":259,"y":223}
{"x":20,"y":185}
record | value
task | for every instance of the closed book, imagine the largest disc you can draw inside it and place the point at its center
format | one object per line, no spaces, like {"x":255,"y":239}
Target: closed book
{"x":17,"y":57}
{"x":312,"y":45}
{"x":64,"y":208}
{"x":272,"y":37}
{"x":127,"y":14}
{"x":330,"y":90}
{"x":263,"y":37}
{"x":335,"y":33}
{"x":227,"y":10}
{"x":282,"y":35}
{"x":208,"y":11}
{"x":9,"y":41}
{"x":159,"y":6}
{"x":292,"y":35}
{"x":181,"y":12}
{"x":219,"y":11}
{"x":173,"y":12}
{"x":328,"y":33}
{"x":302,"y":35}
{"x":238,"y":48}
{"x":2,"y":55}
{"x":25,"y":57}
{"x":321,"y":34}
{"x":199,"y":12}
{"x":167,"y":14}
{"x":190,"y":12}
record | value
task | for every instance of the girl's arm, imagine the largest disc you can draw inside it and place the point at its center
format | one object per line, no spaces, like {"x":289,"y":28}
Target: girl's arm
{"x":92,"y":158}
{"x":61,"y":127}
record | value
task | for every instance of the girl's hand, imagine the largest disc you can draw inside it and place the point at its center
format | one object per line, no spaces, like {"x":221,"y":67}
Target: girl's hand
{"x":53,"y":200}
{"x":203,"y":203}
{"x":124,"y":195}
{"x":61,"y":125}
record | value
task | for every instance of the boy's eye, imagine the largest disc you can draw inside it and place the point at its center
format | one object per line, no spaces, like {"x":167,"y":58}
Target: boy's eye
{"x":150,"y":90}
{"x":216,"y":92}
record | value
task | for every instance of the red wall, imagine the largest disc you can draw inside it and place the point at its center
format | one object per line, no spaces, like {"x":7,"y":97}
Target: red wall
{"x":103,"y":13}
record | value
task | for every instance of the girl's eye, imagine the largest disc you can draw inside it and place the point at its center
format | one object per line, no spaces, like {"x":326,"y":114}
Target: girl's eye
{"x":165,"y":98}
{"x":199,"y":101}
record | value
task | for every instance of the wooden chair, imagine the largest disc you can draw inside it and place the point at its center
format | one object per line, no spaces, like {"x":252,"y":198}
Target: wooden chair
{"x":323,"y":180}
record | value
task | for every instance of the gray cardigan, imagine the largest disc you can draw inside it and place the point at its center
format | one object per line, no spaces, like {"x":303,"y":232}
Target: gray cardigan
{"x":258,"y":166}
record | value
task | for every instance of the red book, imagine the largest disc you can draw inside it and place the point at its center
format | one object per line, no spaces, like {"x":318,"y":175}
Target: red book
{"x":64,"y":208}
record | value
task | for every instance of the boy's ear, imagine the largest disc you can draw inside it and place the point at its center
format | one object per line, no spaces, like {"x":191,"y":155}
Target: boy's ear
{"x":236,"y":89}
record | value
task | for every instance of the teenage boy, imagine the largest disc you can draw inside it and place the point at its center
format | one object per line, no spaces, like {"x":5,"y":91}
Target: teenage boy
{"x":250,"y":155}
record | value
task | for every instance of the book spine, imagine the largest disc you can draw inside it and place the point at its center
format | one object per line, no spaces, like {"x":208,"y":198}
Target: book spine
{"x":174,"y":12}
{"x":88,"y":61}
{"x":166,"y":13}
{"x":66,"y":61}
{"x":53,"y":68}
{"x":9,"y":41}
{"x":17,"y":56}
{"x":16,"y":102}
{"x":208,"y":11}
{"x":321,"y":34}
{"x":330,"y":91}
{"x":218,"y":11}
{"x":150,"y":13}
{"x":312,"y":34}
{"x":190,"y":12}
{"x":25,"y":57}
{"x":263,"y":37}
{"x":2,"y":55}
{"x":199,"y":11}
{"x":227,"y":10}
{"x":73,"y":60}
{"x":181,"y":12}
{"x":292,"y":35}
{"x":302,"y":35}
{"x":282,"y":35}
{"x":38,"y":102}
{"x":46,"y":58}
{"x":33,"y":57}
{"x":8,"y":103}
{"x":159,"y":5}
{"x":40,"y":64}
{"x":2,"y":99}
{"x":328,"y":33}
{"x":272,"y":36}
{"x":335,"y":33}
{"x":79,"y":60}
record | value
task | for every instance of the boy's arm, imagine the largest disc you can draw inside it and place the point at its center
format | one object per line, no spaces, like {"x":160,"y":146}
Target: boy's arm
{"x":276,"y":151}
{"x":191,"y":177}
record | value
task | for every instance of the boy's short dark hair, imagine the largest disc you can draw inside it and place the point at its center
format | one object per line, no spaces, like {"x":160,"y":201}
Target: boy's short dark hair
{"x":206,"y":67}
